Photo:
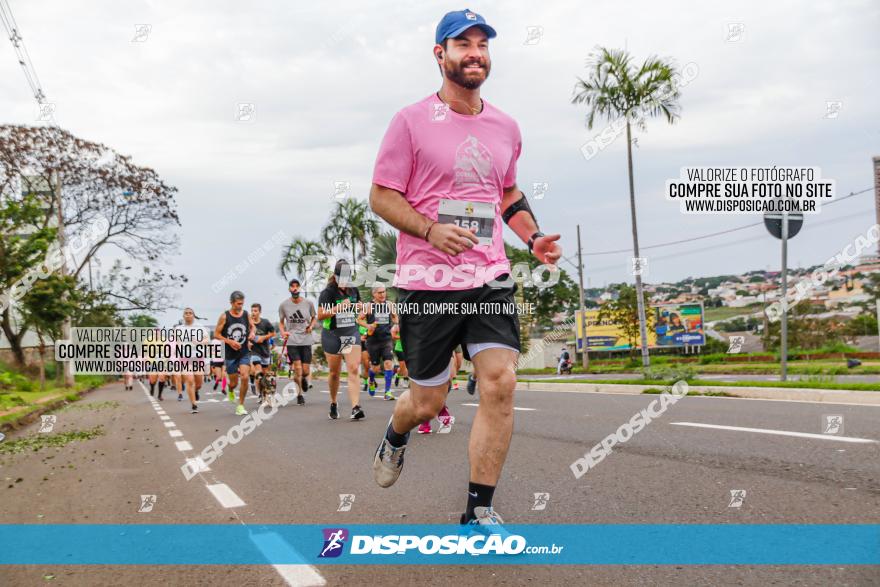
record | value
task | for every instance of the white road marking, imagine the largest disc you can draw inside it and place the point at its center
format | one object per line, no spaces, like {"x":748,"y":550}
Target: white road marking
{"x":273,"y":545}
{"x":183,"y":445}
{"x":164,"y":418}
{"x":300,"y":575}
{"x":704,"y":397}
{"x":293,"y":575}
{"x":778,"y":432}
{"x":169,"y":424}
{"x":198,"y":465}
{"x":515,"y":408}
{"x":225,"y":495}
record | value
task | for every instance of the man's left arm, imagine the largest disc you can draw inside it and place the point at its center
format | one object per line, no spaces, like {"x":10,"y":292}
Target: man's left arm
{"x":518,"y":215}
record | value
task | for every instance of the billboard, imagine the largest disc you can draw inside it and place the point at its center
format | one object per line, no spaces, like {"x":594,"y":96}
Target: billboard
{"x":677,"y":325}
{"x":605,"y":335}
{"x":669,"y":325}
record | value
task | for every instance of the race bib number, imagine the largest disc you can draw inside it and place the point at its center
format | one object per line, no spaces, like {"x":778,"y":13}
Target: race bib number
{"x":344,"y":319}
{"x":382,"y":318}
{"x":478,"y":217}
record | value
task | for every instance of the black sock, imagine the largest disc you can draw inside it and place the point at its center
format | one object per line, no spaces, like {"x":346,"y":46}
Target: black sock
{"x":152,"y":388}
{"x":478,"y":496}
{"x":394,"y":439}
{"x":161,"y":387}
{"x":305,"y":382}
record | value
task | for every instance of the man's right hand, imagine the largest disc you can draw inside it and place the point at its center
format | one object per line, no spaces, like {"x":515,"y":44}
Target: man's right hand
{"x":451,"y":239}
{"x":235,"y":345}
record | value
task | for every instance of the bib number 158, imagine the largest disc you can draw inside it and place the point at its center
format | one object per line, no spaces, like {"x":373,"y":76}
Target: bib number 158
{"x":466,"y":224}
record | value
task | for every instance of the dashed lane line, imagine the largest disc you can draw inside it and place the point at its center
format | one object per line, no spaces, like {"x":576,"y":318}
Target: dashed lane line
{"x":295,"y":575}
{"x":831,"y":437}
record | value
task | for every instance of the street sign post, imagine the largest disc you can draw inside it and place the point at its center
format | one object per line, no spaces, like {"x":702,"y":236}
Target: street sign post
{"x":784,"y":225}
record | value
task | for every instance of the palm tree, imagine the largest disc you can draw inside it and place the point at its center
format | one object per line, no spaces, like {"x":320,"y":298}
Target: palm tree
{"x":384,"y":252}
{"x":352,"y":224}
{"x":617,"y":89}
{"x":297,"y":256}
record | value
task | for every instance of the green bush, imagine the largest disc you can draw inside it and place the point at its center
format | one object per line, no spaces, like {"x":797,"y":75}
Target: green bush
{"x":15,"y":382}
{"x":713,"y":346}
{"x":836,"y":347}
{"x":671,"y":373}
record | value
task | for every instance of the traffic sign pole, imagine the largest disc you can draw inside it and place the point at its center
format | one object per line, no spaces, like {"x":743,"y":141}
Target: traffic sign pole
{"x":783,"y":226}
{"x":784,"y":333}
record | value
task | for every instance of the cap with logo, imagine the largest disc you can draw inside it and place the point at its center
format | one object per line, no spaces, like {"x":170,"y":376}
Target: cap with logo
{"x":457,"y":22}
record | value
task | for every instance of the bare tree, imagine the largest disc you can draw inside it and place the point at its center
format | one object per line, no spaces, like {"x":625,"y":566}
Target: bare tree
{"x":133,"y":208}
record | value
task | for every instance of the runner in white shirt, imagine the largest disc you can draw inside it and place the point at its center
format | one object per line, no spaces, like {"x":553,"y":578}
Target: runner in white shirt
{"x":192,"y":380}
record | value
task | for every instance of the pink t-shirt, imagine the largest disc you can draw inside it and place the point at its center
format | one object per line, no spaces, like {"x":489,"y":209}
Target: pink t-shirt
{"x":431,"y":153}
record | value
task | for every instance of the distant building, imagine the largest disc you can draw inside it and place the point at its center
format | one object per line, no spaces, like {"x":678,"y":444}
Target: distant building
{"x":742,"y":301}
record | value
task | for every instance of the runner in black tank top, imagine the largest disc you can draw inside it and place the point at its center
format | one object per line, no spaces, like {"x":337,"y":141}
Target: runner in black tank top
{"x":234,"y":328}
{"x":378,"y":317}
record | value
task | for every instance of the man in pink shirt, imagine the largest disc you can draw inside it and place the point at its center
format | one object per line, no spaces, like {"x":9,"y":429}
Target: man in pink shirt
{"x":445,"y":177}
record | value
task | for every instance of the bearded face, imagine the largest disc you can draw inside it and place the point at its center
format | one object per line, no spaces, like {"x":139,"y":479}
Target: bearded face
{"x":469,"y":73}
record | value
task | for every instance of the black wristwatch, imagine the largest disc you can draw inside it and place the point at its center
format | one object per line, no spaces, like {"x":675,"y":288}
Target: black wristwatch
{"x":533,"y":238}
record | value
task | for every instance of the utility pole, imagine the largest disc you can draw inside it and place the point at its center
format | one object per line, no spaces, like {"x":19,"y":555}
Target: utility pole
{"x":586,"y":357}
{"x":67,"y":366}
{"x":878,"y":319}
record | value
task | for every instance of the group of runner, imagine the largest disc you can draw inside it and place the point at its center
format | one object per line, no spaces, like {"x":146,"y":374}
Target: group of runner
{"x":363,"y":336}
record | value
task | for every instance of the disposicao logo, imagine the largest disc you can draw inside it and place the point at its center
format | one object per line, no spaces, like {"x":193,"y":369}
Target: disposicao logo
{"x":334,"y":541}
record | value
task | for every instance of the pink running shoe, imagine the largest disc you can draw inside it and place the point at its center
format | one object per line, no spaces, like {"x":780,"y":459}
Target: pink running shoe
{"x":446,"y":421}
{"x":425,"y":428}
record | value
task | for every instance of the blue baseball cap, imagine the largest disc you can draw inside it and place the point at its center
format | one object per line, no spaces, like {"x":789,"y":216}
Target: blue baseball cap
{"x":457,"y":22}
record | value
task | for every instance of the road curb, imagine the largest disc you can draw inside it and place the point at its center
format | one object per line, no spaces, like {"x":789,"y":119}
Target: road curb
{"x":837,"y":396}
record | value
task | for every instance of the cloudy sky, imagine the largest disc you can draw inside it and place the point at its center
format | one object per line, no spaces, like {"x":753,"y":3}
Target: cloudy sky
{"x":325,"y":79}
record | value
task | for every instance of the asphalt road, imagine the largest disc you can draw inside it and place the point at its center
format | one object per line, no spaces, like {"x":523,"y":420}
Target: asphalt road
{"x":293,"y":468}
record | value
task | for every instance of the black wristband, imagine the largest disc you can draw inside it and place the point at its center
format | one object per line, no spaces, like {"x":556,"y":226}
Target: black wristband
{"x":533,"y":238}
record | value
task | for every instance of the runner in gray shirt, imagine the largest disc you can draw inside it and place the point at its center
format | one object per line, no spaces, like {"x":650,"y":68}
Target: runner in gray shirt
{"x":296,"y":316}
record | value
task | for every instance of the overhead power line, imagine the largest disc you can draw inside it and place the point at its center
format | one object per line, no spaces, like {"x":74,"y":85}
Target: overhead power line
{"x":24,"y":58}
{"x":711,"y":234}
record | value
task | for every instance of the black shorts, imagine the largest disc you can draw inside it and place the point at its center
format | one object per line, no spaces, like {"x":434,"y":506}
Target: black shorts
{"x":341,"y":340}
{"x":429,"y":339}
{"x":401,"y":355}
{"x":379,"y":350}
{"x":301,"y":353}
